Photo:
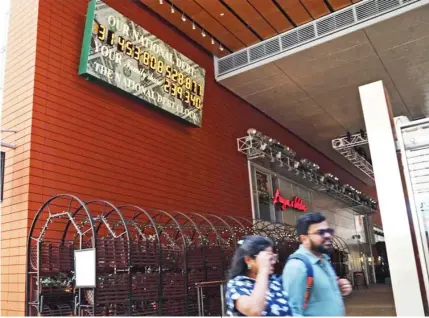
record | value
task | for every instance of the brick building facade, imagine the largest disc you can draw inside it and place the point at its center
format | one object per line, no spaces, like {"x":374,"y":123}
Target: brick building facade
{"x":75,"y":136}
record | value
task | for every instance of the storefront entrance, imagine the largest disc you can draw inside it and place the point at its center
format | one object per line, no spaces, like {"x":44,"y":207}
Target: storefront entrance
{"x":351,"y":228}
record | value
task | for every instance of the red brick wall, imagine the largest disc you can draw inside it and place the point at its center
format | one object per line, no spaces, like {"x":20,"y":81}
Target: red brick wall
{"x":17,"y":115}
{"x":95,"y":143}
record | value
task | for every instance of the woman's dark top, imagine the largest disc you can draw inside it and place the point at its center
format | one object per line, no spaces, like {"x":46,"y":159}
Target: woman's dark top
{"x":277,"y":302}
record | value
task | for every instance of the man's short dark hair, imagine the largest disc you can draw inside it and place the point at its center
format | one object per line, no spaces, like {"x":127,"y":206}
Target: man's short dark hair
{"x":304,"y":222}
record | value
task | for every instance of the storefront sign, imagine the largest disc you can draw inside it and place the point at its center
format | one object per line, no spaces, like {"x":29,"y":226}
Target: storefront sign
{"x":121,"y":53}
{"x":296,"y":203}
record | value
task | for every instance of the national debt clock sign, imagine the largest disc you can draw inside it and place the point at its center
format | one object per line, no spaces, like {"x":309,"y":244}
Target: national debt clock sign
{"x":121,"y":53}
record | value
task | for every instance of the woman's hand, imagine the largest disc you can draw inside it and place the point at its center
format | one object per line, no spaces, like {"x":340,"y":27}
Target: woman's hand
{"x":254,"y":304}
{"x":265,"y":261}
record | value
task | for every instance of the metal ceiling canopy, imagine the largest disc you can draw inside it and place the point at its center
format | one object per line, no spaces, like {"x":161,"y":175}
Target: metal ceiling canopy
{"x":312,"y":89}
{"x":236,"y":24}
{"x":276,"y":47}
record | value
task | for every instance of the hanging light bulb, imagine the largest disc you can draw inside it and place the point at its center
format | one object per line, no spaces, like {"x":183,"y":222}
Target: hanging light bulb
{"x":220,"y":47}
{"x":161,"y":2}
{"x":193,"y":25}
{"x":213,"y":41}
{"x":203,"y":34}
{"x":183,"y":17}
{"x":172,"y":9}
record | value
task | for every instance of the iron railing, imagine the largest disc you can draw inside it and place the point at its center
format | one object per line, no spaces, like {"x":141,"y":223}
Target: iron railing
{"x":148,"y":262}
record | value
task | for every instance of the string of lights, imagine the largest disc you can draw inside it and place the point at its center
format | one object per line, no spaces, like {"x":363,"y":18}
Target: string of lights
{"x":195,"y":24}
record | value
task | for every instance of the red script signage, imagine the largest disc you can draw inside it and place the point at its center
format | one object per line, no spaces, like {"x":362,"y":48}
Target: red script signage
{"x":296,"y":203}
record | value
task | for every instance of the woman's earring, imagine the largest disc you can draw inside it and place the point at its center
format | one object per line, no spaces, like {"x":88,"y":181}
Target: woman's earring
{"x":249,"y":266}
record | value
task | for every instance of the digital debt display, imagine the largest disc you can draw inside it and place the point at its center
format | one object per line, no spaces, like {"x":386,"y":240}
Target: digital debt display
{"x":121,"y":53}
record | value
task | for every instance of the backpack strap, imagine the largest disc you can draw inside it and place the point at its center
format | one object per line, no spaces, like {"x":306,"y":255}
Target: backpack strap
{"x":310,"y":276}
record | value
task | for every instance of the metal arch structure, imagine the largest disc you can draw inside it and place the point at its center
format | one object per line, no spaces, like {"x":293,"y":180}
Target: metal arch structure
{"x":113,"y":261}
{"x":50,"y":254}
{"x":340,"y":257}
{"x":148,"y":262}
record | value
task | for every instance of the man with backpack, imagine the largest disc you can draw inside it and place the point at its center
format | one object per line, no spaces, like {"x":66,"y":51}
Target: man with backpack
{"x":308,"y":277}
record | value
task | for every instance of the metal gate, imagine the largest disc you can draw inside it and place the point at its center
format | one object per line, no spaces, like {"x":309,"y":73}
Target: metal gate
{"x":148,"y":262}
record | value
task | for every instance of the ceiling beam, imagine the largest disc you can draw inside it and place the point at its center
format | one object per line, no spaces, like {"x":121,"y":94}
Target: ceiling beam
{"x":329,"y":5}
{"x":187,"y":17}
{"x":241,"y":20}
{"x":284,"y":13}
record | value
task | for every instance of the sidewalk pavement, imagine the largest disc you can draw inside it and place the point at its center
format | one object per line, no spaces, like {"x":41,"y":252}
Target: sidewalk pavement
{"x":375,"y":301}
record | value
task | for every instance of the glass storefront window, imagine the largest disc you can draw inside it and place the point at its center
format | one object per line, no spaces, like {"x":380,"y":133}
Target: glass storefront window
{"x":264,"y":196}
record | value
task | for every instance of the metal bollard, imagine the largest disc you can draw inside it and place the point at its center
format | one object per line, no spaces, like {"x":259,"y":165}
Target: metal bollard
{"x":222,"y":300}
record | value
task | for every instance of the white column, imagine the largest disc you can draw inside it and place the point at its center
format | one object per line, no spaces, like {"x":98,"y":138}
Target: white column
{"x":390,"y":192}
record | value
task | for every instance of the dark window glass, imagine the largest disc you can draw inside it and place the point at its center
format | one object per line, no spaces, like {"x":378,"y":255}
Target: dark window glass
{"x":263,"y":190}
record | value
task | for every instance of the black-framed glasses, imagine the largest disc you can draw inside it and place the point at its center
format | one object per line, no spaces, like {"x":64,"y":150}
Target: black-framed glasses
{"x":322,"y":232}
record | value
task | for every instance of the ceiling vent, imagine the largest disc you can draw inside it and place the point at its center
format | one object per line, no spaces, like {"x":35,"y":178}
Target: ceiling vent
{"x":235,"y":61}
{"x":265,"y":49}
{"x":335,"y":22}
{"x":297,"y":36}
{"x":375,"y":7}
{"x":342,"y":19}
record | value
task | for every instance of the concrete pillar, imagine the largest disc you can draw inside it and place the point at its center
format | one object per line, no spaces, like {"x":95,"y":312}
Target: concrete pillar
{"x":379,"y":126}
